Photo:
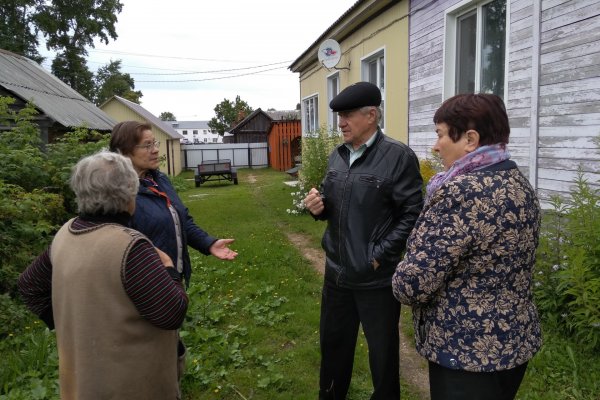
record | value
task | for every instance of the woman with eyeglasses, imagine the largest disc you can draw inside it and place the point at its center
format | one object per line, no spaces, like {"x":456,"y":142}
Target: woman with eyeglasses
{"x":159,"y":212}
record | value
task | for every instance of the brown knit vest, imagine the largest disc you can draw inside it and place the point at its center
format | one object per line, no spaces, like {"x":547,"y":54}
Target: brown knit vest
{"x":106,"y":349}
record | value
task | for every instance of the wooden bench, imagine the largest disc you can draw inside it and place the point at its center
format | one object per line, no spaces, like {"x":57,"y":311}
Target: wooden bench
{"x":215,"y":170}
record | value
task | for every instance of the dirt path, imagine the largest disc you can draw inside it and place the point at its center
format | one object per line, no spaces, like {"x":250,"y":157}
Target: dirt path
{"x":251,"y":178}
{"x":413,"y":367}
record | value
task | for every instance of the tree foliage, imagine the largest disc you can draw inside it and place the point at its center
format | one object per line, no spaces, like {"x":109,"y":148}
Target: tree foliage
{"x":33,"y":187}
{"x":111,"y":81}
{"x":18,"y":31}
{"x":167,"y":116}
{"x":74,"y":24}
{"x":69,"y":28}
{"x":228,"y":114}
{"x":71,"y":67}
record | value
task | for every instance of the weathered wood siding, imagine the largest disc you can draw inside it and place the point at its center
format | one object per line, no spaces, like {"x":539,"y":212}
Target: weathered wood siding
{"x":426,"y":71}
{"x":569,"y":94}
{"x":553,"y":80}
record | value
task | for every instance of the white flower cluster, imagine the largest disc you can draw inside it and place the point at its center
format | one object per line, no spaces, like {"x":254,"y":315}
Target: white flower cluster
{"x":298,"y":201}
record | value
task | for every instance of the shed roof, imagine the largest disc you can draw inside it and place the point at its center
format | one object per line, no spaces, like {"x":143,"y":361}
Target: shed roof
{"x":256,"y":113}
{"x":165,"y":126}
{"x":278,"y":115}
{"x":29,"y":81}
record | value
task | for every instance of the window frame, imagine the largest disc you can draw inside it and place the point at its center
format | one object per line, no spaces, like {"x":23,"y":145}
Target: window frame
{"x":314,"y":118}
{"x":451,"y":17}
{"x":364,"y":73}
{"x":332,"y":116}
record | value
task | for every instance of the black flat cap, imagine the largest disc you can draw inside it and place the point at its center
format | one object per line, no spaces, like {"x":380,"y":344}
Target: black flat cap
{"x":360,"y":94}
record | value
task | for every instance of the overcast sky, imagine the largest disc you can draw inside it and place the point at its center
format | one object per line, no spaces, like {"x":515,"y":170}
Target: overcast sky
{"x":177,"y":37}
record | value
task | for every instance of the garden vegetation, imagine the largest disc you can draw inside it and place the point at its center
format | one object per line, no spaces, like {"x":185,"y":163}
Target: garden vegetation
{"x":252,"y":325}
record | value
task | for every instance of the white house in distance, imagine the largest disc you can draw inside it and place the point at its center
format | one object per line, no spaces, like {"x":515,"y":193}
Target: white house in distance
{"x":196,"y":132}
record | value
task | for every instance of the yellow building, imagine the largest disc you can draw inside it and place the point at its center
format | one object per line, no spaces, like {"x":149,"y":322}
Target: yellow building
{"x":122,"y":109}
{"x":373,"y":44}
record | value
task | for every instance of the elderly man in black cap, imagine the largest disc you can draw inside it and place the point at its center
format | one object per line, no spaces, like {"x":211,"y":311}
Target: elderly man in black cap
{"x":371,"y":197}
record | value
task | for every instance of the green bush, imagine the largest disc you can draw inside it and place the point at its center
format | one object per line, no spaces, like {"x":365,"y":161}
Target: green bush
{"x":22,"y":160}
{"x":27,"y":222}
{"x":316,"y":147}
{"x":34,"y":189}
{"x":429,"y":167}
{"x":567,"y":280}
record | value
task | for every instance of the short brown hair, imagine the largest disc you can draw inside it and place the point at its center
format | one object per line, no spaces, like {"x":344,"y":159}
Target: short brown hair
{"x":126,"y":135}
{"x":482,"y":112}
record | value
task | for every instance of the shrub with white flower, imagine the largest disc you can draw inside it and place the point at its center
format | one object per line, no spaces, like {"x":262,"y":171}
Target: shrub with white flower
{"x":316,"y":147}
{"x":298,"y":201}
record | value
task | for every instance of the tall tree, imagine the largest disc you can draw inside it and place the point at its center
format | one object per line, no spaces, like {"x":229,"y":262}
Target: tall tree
{"x":68,"y":27}
{"x":167,"y":116}
{"x":18,"y":32}
{"x":76,"y":23}
{"x":71,"y":67}
{"x":228,"y":114}
{"x":111,"y":81}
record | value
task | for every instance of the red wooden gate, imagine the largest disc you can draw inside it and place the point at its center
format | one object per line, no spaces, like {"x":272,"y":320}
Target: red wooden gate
{"x":285,"y":143}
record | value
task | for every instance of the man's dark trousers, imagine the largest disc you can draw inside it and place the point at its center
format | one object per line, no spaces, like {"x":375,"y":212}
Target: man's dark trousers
{"x":342,"y":310}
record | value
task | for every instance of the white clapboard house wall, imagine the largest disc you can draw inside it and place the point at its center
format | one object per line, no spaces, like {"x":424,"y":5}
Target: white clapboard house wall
{"x":551,"y":73}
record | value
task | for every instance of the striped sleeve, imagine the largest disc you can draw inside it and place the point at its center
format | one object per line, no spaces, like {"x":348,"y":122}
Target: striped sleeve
{"x":156,"y":295}
{"x":35,"y":287}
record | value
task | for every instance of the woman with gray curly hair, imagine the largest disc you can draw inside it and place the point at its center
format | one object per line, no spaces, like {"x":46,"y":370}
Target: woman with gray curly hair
{"x":114,"y":300}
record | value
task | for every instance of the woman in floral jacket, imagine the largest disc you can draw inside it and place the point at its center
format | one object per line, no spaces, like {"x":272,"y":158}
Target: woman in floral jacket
{"x":468,"y":266}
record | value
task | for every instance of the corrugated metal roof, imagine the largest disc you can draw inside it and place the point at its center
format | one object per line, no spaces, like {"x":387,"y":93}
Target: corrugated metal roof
{"x":165,"y":126}
{"x":325,"y":34}
{"x":284,"y":114}
{"x":29,"y":81}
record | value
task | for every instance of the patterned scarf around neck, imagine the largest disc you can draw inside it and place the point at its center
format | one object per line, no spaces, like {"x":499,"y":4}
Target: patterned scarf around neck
{"x":481,"y":158}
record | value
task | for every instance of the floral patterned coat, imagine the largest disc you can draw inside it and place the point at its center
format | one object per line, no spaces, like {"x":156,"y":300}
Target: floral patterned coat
{"x":467,"y":272}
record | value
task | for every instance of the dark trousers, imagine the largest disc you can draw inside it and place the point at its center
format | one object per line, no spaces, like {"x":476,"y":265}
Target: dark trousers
{"x":452,"y":384}
{"x":342,"y":310}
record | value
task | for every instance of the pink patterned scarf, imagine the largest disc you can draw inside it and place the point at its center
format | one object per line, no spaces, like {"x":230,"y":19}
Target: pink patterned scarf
{"x":483,"y":157}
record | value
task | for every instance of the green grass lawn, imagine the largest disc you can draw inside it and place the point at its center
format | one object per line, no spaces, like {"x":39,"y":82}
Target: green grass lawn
{"x":252,"y":325}
{"x":256,"y":216}
{"x":252,"y":330}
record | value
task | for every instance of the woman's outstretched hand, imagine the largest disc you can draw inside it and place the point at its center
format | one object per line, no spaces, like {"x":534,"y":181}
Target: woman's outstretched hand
{"x":221,"y":250}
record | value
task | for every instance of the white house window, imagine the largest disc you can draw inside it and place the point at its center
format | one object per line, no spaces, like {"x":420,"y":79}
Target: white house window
{"x":310,"y":114}
{"x":373,"y":70}
{"x":195,"y":131}
{"x":184,"y":132}
{"x":333,"y":88}
{"x":476,"y":48}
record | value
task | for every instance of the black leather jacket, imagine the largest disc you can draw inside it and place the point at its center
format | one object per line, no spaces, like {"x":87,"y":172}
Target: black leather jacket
{"x":370,"y":208}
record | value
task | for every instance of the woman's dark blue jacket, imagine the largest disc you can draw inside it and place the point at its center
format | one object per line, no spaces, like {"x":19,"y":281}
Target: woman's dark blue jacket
{"x":153,"y":219}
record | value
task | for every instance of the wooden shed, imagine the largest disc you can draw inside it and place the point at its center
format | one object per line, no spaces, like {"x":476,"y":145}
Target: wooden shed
{"x":252,"y":129}
{"x":282,"y":131}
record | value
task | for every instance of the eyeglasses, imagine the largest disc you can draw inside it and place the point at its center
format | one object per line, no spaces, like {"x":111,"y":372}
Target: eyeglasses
{"x":149,"y":146}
